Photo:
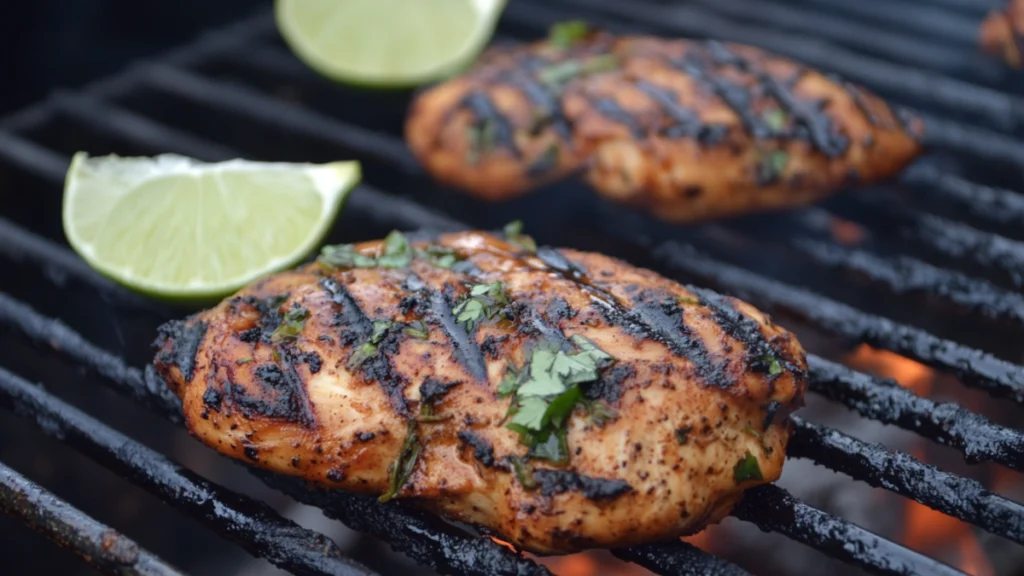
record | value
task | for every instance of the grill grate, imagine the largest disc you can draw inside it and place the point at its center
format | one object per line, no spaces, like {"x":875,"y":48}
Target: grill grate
{"x":218,"y":98}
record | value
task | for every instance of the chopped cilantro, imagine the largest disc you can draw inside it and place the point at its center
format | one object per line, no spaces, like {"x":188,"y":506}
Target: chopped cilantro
{"x":775,"y":119}
{"x":367,"y":349}
{"x":514,"y":234}
{"x":683,"y":435}
{"x":555,"y":75}
{"x":290,"y":325}
{"x":771,"y":166}
{"x":688,"y":301}
{"x":245,"y":360}
{"x":400,"y":470}
{"x":751,"y":431}
{"x":345,"y":256}
{"x":524,"y":473}
{"x":564,"y":34}
{"x":417,"y":329}
{"x":547,"y":390}
{"x":397,"y":254}
{"x":397,"y":251}
{"x":438,"y":256}
{"x":484,"y":302}
{"x":774,"y":367}
{"x":481,"y":139}
{"x":747,"y":469}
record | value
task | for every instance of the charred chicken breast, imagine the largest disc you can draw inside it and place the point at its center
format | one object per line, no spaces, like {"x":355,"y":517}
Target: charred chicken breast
{"x":557,"y":399}
{"x":685,"y":129}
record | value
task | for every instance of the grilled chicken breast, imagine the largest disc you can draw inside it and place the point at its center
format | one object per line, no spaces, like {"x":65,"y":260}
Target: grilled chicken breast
{"x":685,"y":129}
{"x":557,"y":399}
{"x":1002,"y":33}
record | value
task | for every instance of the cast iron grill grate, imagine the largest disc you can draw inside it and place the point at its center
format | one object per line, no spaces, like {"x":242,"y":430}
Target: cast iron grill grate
{"x":237,"y":92}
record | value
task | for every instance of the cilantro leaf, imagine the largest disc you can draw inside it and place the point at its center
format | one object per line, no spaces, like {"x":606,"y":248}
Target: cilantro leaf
{"x":438,"y":256}
{"x":747,"y":469}
{"x":290,"y":326}
{"x":562,"y":406}
{"x":345,"y":256}
{"x":397,"y":251}
{"x":775,"y":119}
{"x":417,"y":329}
{"x":367,"y":349}
{"x":564,"y":34}
{"x":554,"y":447}
{"x":524,"y":473}
{"x":485,"y":301}
{"x":514,"y":234}
{"x":530,"y":414}
{"x":404,"y":464}
{"x":511,"y":381}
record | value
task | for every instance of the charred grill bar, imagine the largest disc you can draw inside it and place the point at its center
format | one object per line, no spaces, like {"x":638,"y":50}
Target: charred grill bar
{"x":129,"y":110}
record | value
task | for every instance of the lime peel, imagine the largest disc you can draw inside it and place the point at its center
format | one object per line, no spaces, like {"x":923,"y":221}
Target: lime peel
{"x":387,"y":43}
{"x":180,"y":229}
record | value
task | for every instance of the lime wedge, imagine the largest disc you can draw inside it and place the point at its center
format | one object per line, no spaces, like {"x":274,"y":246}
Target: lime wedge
{"x":387,"y":43}
{"x":179,"y":229}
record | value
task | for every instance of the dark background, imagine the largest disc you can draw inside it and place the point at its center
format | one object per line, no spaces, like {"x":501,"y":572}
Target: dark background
{"x":48,"y":44}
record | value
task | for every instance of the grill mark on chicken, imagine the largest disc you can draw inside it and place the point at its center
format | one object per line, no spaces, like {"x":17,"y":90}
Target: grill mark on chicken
{"x":760,"y":353}
{"x":554,"y":482}
{"x":483,"y":451}
{"x":734,"y":95}
{"x":809,"y":115}
{"x":485,"y":110}
{"x":290,"y":403}
{"x":608,"y":386}
{"x":185,"y":340}
{"x":546,"y":101}
{"x":610,"y":109}
{"x":464,"y":347}
{"x":354,"y":322}
{"x":432,"y":390}
{"x":664,"y":318}
{"x":687,"y":122}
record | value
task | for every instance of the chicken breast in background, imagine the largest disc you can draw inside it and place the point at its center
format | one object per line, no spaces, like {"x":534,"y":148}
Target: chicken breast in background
{"x":558,"y":399}
{"x":499,"y":129}
{"x":689,"y":130}
{"x":698,"y":130}
{"x":1002,"y":33}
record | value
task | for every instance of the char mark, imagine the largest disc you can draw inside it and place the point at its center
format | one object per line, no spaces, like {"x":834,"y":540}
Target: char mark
{"x":735,"y":96}
{"x":283,"y":395}
{"x":687,"y":124}
{"x":609,"y":385}
{"x":482,"y":449}
{"x":485,"y":111}
{"x":610,"y":109}
{"x":554,"y":259}
{"x":466,"y":352}
{"x":545,"y":100}
{"x":432,"y":390}
{"x":354,"y":322}
{"x":554,"y":482}
{"x":760,"y":354}
{"x":660,"y":318}
{"x":558,"y":309}
{"x":810,"y":116}
{"x":185,"y":340}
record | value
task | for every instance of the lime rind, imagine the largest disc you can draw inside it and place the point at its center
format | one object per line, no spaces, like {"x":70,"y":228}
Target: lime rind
{"x":113,"y":220}
{"x":352,"y":65}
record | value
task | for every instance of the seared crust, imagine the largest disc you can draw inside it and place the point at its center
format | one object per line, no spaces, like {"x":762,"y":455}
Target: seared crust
{"x":698,"y":383}
{"x":688,"y":130}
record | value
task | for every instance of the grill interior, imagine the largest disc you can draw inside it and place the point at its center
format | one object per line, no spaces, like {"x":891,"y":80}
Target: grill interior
{"x":934,"y":276}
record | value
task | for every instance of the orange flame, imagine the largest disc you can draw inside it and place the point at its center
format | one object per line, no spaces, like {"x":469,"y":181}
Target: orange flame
{"x":913,"y":375}
{"x":846,"y":232}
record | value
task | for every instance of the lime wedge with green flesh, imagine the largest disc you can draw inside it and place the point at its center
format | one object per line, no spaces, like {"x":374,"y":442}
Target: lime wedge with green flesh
{"x":179,"y":229}
{"x":387,"y":43}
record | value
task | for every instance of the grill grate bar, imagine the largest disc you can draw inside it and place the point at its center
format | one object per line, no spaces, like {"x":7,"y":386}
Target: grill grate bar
{"x":1000,"y":109}
{"x":361,"y":513}
{"x":901,"y":473}
{"x":932,"y":54}
{"x":984,"y":252}
{"x":677,"y":559}
{"x":235,"y":97}
{"x":947,"y":423}
{"x":973,"y":367}
{"x":114,"y":120}
{"x":905,"y":275}
{"x":102,"y":547}
{"x":774,"y":509}
{"x":247,"y":522}
{"x":997,"y":206}
{"x":32,"y":157}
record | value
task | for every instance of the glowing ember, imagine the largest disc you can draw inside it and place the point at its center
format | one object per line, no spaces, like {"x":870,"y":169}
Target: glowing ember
{"x":846,"y":232}
{"x":909,"y":374}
